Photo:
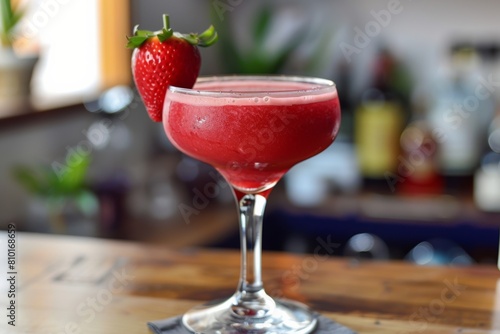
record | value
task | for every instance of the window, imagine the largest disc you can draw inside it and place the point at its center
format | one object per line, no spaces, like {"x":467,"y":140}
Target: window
{"x":81,"y":45}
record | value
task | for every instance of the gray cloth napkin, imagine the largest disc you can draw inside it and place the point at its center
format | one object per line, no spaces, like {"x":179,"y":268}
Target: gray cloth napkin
{"x":174,"y":326}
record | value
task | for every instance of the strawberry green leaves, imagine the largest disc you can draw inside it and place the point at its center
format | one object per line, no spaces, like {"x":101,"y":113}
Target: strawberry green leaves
{"x":205,"y":39}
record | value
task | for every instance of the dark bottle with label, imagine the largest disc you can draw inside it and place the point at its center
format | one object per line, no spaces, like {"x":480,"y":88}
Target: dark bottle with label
{"x":379,"y":122}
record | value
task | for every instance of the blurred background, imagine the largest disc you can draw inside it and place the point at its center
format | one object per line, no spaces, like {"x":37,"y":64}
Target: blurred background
{"x":413,"y":175}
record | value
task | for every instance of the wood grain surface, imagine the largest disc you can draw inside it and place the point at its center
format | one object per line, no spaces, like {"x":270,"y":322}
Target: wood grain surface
{"x":81,"y":285}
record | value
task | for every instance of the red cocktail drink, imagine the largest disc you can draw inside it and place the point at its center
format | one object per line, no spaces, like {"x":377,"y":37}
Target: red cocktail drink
{"x":253,"y":130}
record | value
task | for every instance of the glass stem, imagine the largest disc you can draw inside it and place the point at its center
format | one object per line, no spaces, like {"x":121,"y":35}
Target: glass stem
{"x":250,"y":298}
{"x":251,"y":214}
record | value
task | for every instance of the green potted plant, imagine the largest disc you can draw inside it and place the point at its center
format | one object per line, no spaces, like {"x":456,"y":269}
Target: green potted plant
{"x":15,"y":70}
{"x":58,"y":203}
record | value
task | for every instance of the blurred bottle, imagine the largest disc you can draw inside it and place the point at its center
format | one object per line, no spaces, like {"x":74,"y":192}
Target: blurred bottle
{"x":379,"y":121}
{"x":487,"y":177}
{"x":417,"y":164}
{"x":489,"y":53}
{"x":111,"y":193}
{"x":462,"y":109}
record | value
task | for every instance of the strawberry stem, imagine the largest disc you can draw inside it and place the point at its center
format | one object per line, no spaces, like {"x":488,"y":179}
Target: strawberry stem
{"x":205,"y":39}
{"x":166,"y":22}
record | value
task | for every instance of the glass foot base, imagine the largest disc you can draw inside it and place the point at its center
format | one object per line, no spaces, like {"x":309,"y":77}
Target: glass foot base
{"x":218,"y":318}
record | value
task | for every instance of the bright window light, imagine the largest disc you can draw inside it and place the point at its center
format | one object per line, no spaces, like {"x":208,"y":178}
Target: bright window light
{"x":66,"y":34}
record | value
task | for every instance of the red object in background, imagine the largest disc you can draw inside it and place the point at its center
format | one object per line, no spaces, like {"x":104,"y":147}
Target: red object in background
{"x":421,"y":175}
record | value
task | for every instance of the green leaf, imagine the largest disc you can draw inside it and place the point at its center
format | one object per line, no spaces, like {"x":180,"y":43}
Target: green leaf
{"x":7,"y":14}
{"x":54,"y":184}
{"x":28,"y":179}
{"x":205,"y":39}
{"x":73,"y":180}
{"x":320,"y":55}
{"x":207,"y":34}
{"x":7,"y":18}
{"x":165,"y":34}
{"x":139,"y":37}
{"x":136,"y":41}
{"x":262,"y":24}
{"x":17,"y":17}
{"x":231,"y":55}
{"x":144,"y":33}
{"x":191,"y":38}
{"x":208,"y":37}
{"x":293,"y":44}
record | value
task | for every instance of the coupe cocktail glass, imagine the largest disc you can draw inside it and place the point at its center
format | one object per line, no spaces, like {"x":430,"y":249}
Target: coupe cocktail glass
{"x":252,"y":129}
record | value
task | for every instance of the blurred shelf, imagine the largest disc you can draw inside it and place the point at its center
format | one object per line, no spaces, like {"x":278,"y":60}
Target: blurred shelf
{"x":32,"y":115}
{"x":442,"y":209}
{"x":401,"y":222}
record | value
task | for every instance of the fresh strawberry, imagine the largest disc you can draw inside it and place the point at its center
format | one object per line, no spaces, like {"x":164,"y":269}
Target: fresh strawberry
{"x":165,"y":58}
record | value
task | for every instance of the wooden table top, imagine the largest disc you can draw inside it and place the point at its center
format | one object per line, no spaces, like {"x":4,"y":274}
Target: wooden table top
{"x":83,"y":285}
